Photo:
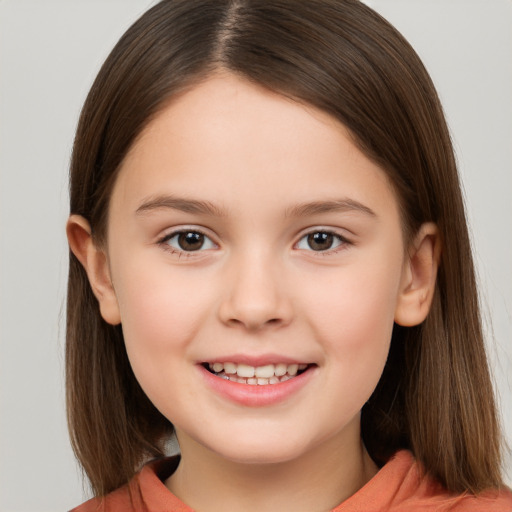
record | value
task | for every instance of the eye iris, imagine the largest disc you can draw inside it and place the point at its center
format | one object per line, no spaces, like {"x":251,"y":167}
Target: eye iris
{"x":191,"y":241}
{"x":320,"y":241}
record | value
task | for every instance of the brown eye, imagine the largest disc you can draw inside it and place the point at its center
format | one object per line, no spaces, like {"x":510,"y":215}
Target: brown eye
{"x":188,"y":241}
{"x":319,"y":241}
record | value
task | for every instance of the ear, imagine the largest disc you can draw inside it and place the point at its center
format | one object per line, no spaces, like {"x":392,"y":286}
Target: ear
{"x":95,"y":262}
{"x":419,"y":277}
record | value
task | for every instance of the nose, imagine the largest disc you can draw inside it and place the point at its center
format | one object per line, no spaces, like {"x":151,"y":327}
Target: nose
{"x":255,"y":295}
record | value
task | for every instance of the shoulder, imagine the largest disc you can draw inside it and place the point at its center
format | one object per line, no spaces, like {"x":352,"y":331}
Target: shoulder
{"x":402,"y":486}
{"x":115,"y":501}
{"x":127,"y":498}
{"x":144,"y":493}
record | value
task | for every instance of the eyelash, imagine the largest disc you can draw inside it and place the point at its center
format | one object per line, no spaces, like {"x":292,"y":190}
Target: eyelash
{"x":164,"y":242}
{"x":342,"y":242}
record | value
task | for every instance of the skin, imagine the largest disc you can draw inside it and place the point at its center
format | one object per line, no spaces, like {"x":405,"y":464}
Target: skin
{"x":257,"y":288}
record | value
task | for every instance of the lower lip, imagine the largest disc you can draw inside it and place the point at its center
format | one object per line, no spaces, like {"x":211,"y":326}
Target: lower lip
{"x":256,"y":395}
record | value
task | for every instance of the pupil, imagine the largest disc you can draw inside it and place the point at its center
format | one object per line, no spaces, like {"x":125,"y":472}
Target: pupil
{"x":320,"y":241}
{"x":191,"y":241}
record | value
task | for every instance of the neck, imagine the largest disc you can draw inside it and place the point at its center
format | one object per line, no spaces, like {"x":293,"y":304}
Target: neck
{"x":317,"y":481}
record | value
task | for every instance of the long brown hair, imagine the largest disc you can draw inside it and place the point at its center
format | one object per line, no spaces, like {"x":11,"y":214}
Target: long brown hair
{"x":435,"y":396}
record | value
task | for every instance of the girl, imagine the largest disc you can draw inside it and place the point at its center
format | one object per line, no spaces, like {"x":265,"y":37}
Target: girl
{"x":270,"y":260}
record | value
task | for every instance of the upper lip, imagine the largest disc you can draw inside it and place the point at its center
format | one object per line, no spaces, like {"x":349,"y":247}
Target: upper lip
{"x":261,"y":360}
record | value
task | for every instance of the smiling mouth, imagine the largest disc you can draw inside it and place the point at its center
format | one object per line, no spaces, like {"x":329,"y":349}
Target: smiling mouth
{"x":256,"y":375}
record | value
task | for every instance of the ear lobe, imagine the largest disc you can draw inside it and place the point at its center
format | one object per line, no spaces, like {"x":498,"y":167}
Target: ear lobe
{"x":94,"y":260}
{"x":419,"y":277}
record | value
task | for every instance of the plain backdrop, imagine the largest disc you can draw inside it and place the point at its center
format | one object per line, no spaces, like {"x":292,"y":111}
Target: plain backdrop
{"x":50,"y":52}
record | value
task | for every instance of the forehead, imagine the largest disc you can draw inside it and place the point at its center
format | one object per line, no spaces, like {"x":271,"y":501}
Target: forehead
{"x":232,"y":141}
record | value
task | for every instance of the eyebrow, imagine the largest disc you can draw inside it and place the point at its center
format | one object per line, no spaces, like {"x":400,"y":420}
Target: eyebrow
{"x":181,"y":204}
{"x":339,"y":205}
{"x":207,"y":208}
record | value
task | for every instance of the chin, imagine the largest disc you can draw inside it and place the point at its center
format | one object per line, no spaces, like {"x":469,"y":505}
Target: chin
{"x":261,"y":456}
{"x":259,"y":448}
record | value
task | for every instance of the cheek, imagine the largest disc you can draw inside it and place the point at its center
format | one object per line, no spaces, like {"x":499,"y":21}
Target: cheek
{"x":161,"y":313}
{"x":354,"y":317}
{"x":354,"y":326}
{"x":161,"y":310}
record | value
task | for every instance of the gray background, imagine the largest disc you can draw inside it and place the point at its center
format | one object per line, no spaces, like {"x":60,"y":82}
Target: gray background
{"x":49,"y":53}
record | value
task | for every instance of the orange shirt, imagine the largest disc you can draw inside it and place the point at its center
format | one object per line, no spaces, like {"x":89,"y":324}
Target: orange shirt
{"x":397,"y":487}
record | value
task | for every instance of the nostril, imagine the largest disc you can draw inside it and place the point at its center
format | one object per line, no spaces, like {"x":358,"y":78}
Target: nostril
{"x":254,"y":323}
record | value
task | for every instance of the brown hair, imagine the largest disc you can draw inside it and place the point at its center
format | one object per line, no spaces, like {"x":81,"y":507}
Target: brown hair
{"x":435,"y":396}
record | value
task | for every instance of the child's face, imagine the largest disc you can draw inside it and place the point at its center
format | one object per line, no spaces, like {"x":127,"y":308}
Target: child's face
{"x":294,"y":255}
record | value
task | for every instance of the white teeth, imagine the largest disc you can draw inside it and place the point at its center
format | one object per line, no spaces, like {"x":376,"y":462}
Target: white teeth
{"x":293,"y":369}
{"x":280,"y":369}
{"x":218,"y":367}
{"x":268,"y":374}
{"x":265,"y":372}
{"x":244,"y":370}
{"x":230,"y":368}
{"x":253,"y":381}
